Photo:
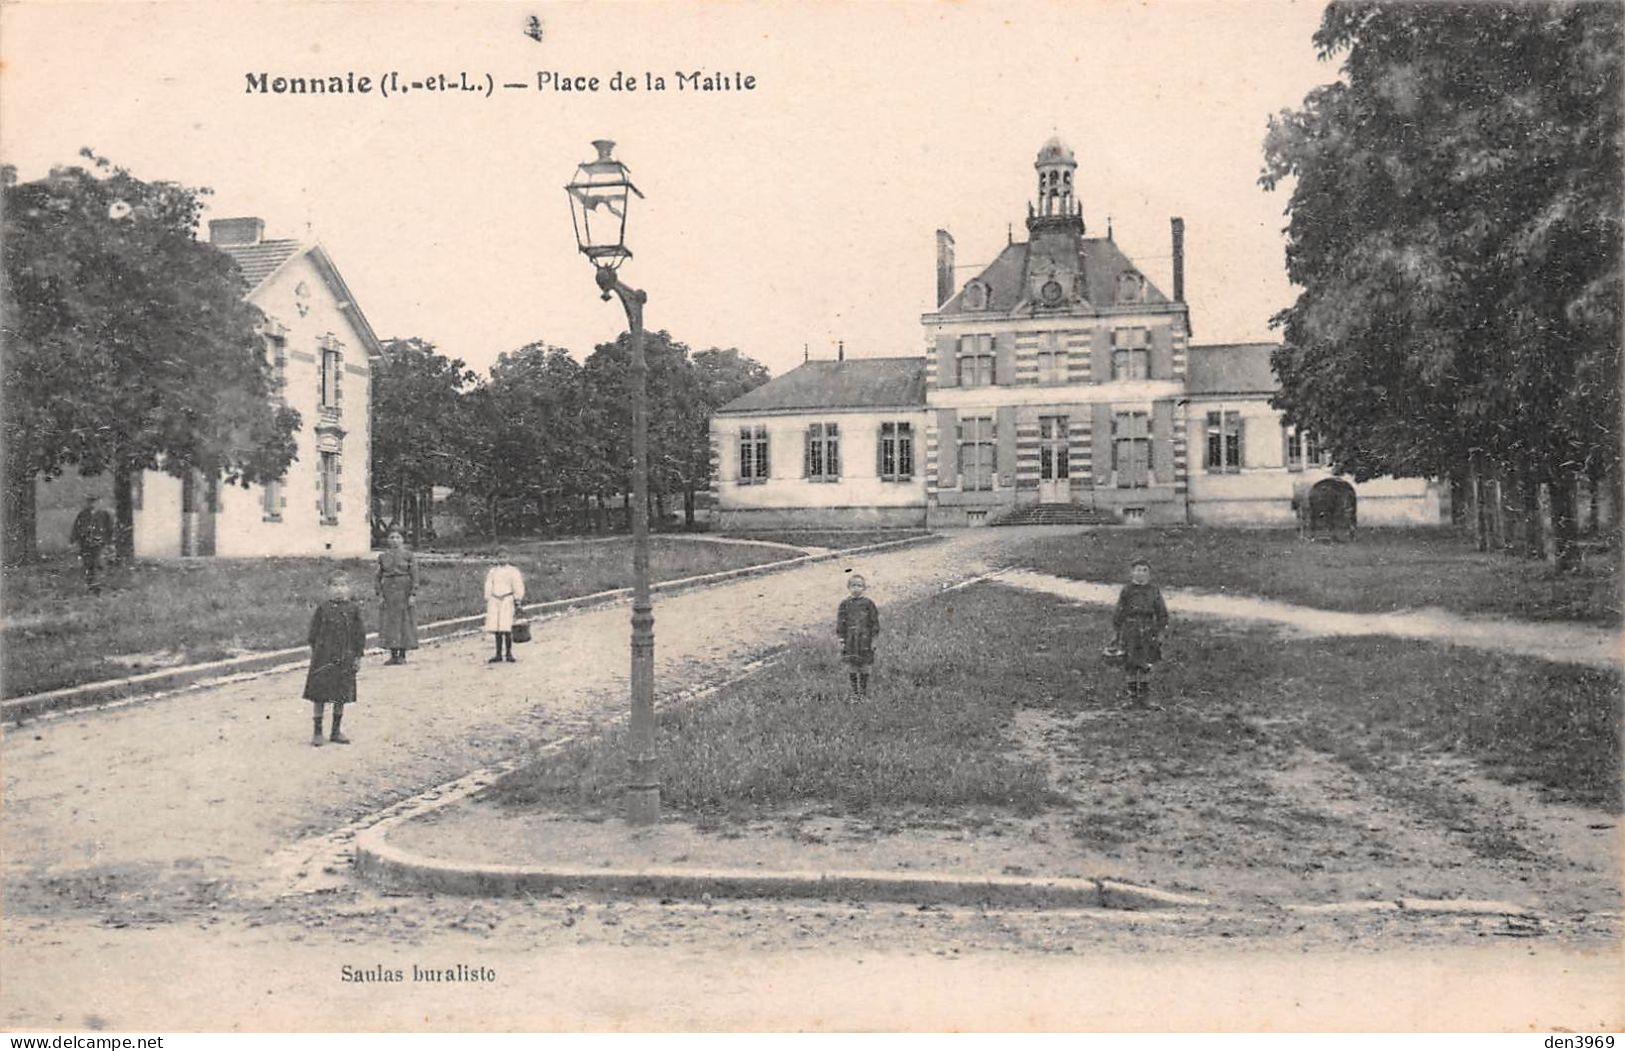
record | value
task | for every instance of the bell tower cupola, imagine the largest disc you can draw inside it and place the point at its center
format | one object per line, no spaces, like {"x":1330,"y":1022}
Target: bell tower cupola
{"x":1056,"y":204}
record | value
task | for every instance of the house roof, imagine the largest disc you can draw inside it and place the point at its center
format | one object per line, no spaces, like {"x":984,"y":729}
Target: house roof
{"x":1097,"y":258}
{"x":857,"y":383}
{"x":260,"y":259}
{"x":1231,"y":368}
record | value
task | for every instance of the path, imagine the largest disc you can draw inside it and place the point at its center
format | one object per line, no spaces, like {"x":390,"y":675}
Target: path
{"x":205,"y":786}
{"x":139,"y":896}
{"x":1561,"y":642}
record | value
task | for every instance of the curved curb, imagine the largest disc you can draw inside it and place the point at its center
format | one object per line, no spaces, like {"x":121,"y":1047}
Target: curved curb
{"x":166,"y":682}
{"x":393,"y":868}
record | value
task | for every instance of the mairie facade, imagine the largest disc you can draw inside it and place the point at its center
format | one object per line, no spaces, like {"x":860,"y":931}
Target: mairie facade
{"x":1058,"y":378}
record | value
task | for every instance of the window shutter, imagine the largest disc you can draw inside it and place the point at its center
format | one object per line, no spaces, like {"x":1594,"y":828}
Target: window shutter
{"x":1005,"y":435}
{"x":1162,"y":353}
{"x":806,"y":453}
{"x":338,"y":380}
{"x":880,"y":451}
{"x":1100,"y":358}
{"x":1004,"y":358}
{"x":1162,"y":441}
{"x":947,"y":361}
{"x":1286,"y":446}
{"x":947,"y":448}
{"x":1101,"y":439}
{"x":762,"y":468}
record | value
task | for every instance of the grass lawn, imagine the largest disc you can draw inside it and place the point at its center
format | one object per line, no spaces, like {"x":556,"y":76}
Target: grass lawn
{"x":196,"y":610}
{"x":1381,"y":571}
{"x":960,"y":676}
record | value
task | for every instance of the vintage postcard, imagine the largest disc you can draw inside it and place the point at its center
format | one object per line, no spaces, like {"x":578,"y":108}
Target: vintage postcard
{"x":909,"y":516}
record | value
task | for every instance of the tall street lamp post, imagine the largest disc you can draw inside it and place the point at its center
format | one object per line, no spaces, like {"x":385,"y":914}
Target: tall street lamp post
{"x":600,"y":195}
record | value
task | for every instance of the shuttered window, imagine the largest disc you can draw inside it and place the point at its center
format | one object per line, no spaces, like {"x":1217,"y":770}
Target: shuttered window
{"x":976,"y":361}
{"x":1131,"y":354}
{"x":1131,"y":449}
{"x":823,"y":463}
{"x":1302,"y":448}
{"x":327,"y":481}
{"x":1224,"y":448}
{"x":753,"y":467}
{"x":894,"y":453}
{"x":1051,"y":358}
{"x":978,"y":453}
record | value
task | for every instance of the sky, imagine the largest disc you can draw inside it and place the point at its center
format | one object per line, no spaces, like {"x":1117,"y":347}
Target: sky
{"x":779,"y":220}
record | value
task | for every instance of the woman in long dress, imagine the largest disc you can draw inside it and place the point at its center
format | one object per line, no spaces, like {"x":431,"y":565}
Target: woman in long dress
{"x":504,"y":591}
{"x":397,"y":587}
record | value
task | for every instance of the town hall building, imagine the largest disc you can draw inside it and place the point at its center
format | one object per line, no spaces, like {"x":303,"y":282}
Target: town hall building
{"x":1058,"y":384}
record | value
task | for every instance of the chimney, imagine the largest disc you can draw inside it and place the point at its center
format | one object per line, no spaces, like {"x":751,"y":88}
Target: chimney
{"x":1179,"y":259}
{"x":246,"y":230}
{"x":840,"y":351}
{"x":945,"y":267}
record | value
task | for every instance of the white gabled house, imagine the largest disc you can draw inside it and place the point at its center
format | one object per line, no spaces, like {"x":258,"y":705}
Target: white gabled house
{"x":322,"y":350}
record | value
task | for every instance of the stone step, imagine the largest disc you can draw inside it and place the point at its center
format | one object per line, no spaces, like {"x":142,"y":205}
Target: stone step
{"x":1058,"y":514}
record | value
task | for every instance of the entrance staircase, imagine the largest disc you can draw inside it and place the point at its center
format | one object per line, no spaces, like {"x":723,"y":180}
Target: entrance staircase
{"x":1058,"y":514}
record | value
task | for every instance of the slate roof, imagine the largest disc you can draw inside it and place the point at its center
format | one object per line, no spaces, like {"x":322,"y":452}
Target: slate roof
{"x":260,"y":260}
{"x":1101,"y":262}
{"x":1231,"y":368}
{"x":857,"y":383}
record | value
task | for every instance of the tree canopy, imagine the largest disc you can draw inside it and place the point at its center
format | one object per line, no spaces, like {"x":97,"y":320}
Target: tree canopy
{"x":543,"y":436}
{"x":129,"y":345}
{"x":1455,"y":228}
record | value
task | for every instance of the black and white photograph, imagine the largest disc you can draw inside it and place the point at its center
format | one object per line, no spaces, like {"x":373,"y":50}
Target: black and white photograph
{"x":911,"y":516}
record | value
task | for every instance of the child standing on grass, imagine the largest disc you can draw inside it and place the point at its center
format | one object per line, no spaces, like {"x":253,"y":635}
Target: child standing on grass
{"x":1139,"y":621}
{"x":857,"y":622}
{"x":337,"y":640}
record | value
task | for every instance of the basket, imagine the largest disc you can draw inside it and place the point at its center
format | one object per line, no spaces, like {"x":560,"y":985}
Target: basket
{"x":521,"y":631}
{"x":1113,"y":653}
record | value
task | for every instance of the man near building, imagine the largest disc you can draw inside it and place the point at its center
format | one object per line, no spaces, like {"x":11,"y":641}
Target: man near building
{"x":92,"y":534}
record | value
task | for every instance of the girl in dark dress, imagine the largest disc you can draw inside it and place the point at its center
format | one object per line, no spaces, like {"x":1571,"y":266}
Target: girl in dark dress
{"x":857,"y":622}
{"x":397,"y":588}
{"x":1139,"y":620}
{"x":337,"y":640}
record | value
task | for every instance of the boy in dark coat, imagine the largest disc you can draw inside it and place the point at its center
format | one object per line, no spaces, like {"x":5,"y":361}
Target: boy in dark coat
{"x":857,"y":622}
{"x":337,"y":640}
{"x":92,"y":534}
{"x":1140,"y":618}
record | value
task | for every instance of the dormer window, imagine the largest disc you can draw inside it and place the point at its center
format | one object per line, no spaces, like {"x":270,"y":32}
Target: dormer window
{"x":976,"y":296}
{"x":1130,"y":287}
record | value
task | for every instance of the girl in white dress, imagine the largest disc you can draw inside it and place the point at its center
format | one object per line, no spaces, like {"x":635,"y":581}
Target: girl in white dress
{"x":504,"y":591}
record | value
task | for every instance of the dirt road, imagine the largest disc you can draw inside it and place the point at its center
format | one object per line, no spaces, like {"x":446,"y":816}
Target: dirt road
{"x":1554,"y":641}
{"x":209,"y":784}
{"x":140,"y":893}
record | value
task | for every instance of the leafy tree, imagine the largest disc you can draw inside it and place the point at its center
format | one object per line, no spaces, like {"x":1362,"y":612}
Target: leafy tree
{"x":419,"y":426}
{"x":718,"y":377}
{"x":129,"y":345}
{"x":1455,"y":226}
{"x":536,"y":437}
